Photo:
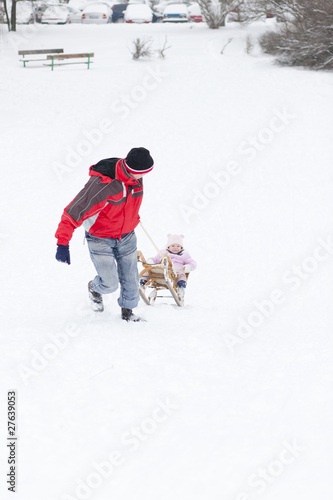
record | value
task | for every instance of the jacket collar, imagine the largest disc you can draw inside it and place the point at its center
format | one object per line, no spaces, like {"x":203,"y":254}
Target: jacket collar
{"x":123,"y":176}
{"x":178,"y":253}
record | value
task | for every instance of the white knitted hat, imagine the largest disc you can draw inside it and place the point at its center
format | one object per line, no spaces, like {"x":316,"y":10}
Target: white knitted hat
{"x":175,"y":239}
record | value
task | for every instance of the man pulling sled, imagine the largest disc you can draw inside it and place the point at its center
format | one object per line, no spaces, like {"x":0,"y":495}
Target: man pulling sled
{"x":108,"y":208}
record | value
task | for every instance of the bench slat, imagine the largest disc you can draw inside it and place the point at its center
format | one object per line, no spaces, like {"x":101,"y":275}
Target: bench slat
{"x":41,"y":51}
{"x":69,"y":56}
{"x":63,"y":64}
{"x":32,"y":60}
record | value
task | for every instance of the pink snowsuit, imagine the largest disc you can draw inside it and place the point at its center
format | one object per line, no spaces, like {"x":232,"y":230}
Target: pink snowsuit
{"x":179,"y":260}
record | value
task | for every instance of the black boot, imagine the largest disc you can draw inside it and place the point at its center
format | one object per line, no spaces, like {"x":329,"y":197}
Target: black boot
{"x":128,"y":315}
{"x":96,"y":299}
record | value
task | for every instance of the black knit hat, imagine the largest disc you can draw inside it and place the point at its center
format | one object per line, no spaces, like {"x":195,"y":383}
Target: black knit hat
{"x":139,"y":161}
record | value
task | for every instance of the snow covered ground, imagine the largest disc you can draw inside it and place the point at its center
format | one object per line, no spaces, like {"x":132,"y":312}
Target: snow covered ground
{"x":229,"y":398}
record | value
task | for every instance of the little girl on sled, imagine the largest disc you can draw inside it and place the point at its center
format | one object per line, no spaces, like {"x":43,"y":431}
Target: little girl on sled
{"x":181,"y":259}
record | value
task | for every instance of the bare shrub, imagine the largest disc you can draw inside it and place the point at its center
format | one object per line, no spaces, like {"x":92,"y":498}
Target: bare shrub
{"x":215,"y":11}
{"x":161,"y":51}
{"x":141,"y":48}
{"x":306,"y":39}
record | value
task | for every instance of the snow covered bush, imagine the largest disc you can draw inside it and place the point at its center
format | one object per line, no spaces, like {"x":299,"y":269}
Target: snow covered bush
{"x":305,"y":38}
{"x":215,"y":11}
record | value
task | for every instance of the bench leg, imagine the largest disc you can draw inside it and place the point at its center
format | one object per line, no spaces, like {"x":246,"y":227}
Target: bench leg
{"x":88,"y":60}
{"x":52,"y":64}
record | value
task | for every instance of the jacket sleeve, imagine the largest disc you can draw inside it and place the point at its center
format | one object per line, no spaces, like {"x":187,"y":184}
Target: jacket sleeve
{"x":90,"y":201}
{"x":188,"y":260}
{"x":157,"y":259}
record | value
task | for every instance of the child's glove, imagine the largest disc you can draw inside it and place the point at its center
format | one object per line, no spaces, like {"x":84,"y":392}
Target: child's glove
{"x":187,"y":268}
{"x":150,"y":261}
{"x":62,"y":254}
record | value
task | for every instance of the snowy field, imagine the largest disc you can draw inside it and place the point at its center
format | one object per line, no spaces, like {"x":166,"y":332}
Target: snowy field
{"x":229,"y":398}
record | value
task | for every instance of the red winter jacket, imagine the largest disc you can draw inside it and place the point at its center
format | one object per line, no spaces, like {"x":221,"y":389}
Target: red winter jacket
{"x":108,"y":205}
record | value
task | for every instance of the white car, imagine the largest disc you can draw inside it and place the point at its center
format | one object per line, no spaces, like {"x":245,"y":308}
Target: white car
{"x":40,"y":6}
{"x":97,"y":13}
{"x":25,"y":13}
{"x":56,"y":14}
{"x":75,"y":14}
{"x":194,"y":12}
{"x":138,"y":13}
{"x":176,"y":13}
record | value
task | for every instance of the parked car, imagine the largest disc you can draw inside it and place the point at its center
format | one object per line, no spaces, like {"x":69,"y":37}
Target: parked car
{"x":118,"y":11}
{"x":75,"y":14}
{"x":56,"y":14}
{"x":77,"y":7}
{"x":176,"y":13}
{"x":25,"y":13}
{"x":138,"y":13}
{"x":97,"y":13}
{"x":194,"y":11}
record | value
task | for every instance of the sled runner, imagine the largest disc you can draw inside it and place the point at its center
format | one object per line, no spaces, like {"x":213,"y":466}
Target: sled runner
{"x":159,"y":277}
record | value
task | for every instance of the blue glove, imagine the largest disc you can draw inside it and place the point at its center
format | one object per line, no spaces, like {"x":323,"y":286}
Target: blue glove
{"x":62,"y":254}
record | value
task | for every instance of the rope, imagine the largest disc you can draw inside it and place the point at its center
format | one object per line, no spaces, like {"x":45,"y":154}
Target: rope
{"x":151,"y":240}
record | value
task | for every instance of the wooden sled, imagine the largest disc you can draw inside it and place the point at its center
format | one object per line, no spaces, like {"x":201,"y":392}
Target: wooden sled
{"x":159,"y":277}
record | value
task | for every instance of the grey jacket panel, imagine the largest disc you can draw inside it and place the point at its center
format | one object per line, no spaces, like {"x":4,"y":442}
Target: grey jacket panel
{"x":93,"y":193}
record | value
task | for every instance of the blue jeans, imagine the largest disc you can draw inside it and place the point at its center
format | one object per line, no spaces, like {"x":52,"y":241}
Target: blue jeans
{"x":116,"y":262}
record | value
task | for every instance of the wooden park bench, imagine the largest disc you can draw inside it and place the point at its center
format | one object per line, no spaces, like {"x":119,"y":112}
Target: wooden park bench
{"x":68,"y":58}
{"x":25,"y":53}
